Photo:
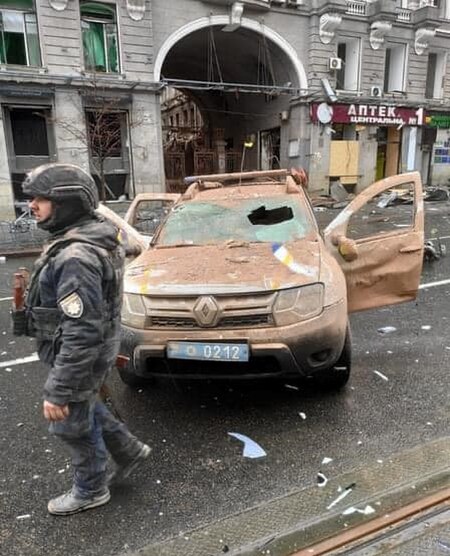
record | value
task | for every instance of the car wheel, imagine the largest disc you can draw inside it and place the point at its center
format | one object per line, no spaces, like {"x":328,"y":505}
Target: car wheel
{"x":133,"y":380}
{"x":336,"y":377}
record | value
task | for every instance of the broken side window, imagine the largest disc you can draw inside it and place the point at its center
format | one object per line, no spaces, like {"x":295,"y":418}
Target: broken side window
{"x":100,"y":38}
{"x":392,"y":210}
{"x":19,"y":40}
{"x":275,"y":220}
{"x":149,"y":214}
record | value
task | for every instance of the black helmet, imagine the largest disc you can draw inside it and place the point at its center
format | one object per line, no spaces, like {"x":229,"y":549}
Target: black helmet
{"x":72,"y":191}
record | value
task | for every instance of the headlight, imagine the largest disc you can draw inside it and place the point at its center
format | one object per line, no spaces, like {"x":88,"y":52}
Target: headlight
{"x":133,"y":310}
{"x":298,"y":304}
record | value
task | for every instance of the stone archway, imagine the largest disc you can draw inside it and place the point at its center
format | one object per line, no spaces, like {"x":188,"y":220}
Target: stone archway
{"x":244,"y":80}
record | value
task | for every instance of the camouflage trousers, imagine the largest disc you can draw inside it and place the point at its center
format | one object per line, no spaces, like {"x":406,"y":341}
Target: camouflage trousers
{"x":90,"y":432}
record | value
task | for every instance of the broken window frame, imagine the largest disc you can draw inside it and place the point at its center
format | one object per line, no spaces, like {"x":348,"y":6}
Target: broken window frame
{"x":103,"y":23}
{"x":348,"y":77}
{"x":395,"y":68}
{"x":434,"y":87}
{"x":25,"y":15}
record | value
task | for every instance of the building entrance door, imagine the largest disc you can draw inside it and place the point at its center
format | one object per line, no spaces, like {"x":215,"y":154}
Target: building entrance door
{"x":388,"y":152}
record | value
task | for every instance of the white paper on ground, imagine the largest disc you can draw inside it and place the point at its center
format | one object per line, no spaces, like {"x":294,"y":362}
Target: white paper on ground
{"x":251,"y":448}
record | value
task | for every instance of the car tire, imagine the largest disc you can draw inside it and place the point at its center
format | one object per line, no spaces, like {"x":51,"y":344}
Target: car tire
{"x":131,"y":379}
{"x":336,"y":377}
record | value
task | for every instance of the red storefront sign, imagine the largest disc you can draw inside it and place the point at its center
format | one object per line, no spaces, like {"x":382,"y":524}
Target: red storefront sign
{"x":369,"y":114}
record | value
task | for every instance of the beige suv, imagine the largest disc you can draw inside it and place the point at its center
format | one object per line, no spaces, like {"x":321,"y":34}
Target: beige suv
{"x":238,"y":282}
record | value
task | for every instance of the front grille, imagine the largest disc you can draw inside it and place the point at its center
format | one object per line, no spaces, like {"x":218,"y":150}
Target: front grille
{"x":173,"y":322}
{"x":245,"y":320}
{"x":240,"y":321}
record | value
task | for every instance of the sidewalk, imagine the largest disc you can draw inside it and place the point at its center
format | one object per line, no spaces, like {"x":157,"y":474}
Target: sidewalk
{"x":282,"y":526}
{"x":20,"y":239}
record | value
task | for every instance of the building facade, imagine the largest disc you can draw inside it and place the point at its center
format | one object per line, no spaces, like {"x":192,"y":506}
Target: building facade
{"x":350,"y":89}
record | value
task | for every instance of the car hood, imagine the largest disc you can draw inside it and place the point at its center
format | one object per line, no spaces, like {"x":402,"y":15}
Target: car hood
{"x":230,"y":268}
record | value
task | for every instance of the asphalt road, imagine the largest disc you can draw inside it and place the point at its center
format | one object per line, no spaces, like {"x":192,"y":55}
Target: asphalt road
{"x":196,"y":472}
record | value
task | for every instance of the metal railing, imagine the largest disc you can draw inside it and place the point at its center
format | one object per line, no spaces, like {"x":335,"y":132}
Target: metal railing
{"x":403,"y":14}
{"x":21,"y":234}
{"x":356,"y":7}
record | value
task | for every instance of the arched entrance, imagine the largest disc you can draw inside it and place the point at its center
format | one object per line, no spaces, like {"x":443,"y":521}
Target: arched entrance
{"x":241,"y":81}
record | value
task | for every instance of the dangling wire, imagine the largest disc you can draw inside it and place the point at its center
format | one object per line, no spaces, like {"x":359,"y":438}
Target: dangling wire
{"x":213,"y":59}
{"x":268,"y":62}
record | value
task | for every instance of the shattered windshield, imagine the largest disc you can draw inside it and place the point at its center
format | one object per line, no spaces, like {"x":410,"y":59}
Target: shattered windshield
{"x":264,"y":219}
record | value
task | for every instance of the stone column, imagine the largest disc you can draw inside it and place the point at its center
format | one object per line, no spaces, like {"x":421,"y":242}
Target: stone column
{"x":367,"y":163}
{"x":6,"y":192}
{"x":219,"y":146}
{"x":70,"y":129}
{"x":146,"y":144}
{"x":319,"y":160}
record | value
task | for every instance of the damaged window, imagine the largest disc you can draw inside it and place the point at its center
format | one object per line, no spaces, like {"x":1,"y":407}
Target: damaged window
{"x":392,"y":210}
{"x":149,"y":215}
{"x":19,"y":41}
{"x":99,"y":32}
{"x":266,"y":220}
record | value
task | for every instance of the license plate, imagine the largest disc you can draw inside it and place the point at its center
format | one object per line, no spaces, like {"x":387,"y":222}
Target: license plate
{"x":207,"y":352}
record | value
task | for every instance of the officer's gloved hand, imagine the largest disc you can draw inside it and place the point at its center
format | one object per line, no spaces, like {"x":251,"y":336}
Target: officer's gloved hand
{"x":19,"y":322}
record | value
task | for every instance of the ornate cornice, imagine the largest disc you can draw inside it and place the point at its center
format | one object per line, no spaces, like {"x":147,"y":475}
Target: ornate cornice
{"x":328,"y":24}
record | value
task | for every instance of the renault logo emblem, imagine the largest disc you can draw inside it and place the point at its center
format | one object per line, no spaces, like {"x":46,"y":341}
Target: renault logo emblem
{"x":206,"y":311}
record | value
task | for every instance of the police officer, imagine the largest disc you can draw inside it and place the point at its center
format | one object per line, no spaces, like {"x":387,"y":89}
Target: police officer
{"x":73,"y":307}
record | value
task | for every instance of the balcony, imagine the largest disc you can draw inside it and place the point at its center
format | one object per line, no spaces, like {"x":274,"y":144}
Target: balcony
{"x":428,"y":16}
{"x":261,"y":5}
{"x":404,"y":15}
{"x":356,"y":7}
{"x":382,"y":9}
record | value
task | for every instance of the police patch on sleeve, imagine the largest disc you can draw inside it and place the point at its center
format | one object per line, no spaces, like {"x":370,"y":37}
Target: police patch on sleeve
{"x":72,"y":306}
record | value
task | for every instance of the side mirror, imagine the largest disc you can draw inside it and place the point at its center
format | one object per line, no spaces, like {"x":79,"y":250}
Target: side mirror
{"x":348,"y":248}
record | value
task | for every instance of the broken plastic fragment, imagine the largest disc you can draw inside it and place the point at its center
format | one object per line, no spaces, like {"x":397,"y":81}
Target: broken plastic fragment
{"x":352,"y":510}
{"x":381,"y":375}
{"x":321,"y":480}
{"x":341,"y":496}
{"x":302,"y":415}
{"x":386,"y":329}
{"x":426,"y":327}
{"x":291,"y":387}
{"x":24,"y":516}
{"x":326,"y":460}
{"x":251,"y":449}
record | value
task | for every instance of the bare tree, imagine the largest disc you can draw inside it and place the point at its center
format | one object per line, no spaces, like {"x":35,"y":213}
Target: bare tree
{"x":103,"y":132}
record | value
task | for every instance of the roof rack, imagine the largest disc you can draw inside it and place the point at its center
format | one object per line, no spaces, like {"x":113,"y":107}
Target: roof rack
{"x":236,"y":176}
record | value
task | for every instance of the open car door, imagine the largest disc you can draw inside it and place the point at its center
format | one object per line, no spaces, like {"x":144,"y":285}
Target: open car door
{"x":133,"y":238}
{"x":148,"y":210}
{"x":383,"y":268}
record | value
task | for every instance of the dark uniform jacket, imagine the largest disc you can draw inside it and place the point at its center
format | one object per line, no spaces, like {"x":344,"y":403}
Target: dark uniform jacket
{"x":73,"y":302}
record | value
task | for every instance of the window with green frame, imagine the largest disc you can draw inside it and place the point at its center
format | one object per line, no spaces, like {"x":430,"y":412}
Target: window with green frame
{"x":19,"y":38}
{"x":99,"y":31}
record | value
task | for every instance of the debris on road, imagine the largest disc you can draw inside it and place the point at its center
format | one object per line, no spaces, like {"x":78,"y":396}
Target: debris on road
{"x":436,"y":194}
{"x":387,"y":199}
{"x":433,"y":253}
{"x":302,"y":415}
{"x":338,"y":192}
{"x":342,"y":495}
{"x":386,"y":329}
{"x":352,"y":510}
{"x":291,"y":387}
{"x":24,"y":516}
{"x":381,"y":375}
{"x":426,"y":327}
{"x":443,"y":544}
{"x":326,"y":460}
{"x":321,"y":480}
{"x":251,"y":448}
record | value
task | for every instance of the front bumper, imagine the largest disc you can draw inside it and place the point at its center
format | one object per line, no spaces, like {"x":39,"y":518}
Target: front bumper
{"x":289,"y":351}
